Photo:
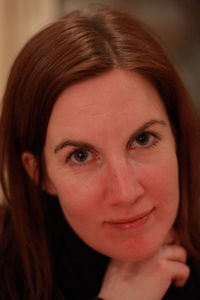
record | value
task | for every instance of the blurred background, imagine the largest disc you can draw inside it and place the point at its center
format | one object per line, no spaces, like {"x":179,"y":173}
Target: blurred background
{"x":177,"y":22}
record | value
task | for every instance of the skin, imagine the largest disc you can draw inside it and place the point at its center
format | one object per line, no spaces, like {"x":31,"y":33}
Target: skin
{"x":147,"y":279}
{"x":111,"y":159}
{"x":120,"y":178}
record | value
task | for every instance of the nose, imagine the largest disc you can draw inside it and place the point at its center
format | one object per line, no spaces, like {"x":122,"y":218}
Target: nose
{"x":123,"y":184}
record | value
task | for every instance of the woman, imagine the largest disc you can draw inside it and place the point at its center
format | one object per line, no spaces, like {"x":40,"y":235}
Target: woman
{"x":99,"y":167}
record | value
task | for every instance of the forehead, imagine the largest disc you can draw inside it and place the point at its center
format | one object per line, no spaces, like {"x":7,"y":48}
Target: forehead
{"x":114,"y":89}
{"x":109,"y":100}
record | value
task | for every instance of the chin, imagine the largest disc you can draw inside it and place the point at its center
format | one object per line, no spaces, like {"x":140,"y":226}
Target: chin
{"x":133,"y":257}
{"x":133,"y":251}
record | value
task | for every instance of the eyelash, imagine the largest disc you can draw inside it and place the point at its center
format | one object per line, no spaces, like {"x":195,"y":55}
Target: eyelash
{"x":152,"y":135}
{"x":77,"y":164}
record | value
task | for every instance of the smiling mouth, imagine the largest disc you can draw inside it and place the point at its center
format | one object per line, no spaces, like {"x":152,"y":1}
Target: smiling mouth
{"x":133,"y":222}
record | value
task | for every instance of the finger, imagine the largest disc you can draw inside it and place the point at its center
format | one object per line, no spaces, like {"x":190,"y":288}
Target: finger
{"x":174,"y":253}
{"x":180,"y":274}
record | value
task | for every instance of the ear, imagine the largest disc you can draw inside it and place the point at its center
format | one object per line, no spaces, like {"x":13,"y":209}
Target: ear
{"x":30,"y":164}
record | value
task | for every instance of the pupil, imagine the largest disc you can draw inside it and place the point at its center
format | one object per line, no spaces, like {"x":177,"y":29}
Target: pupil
{"x":81,"y":155}
{"x":143,"y":139}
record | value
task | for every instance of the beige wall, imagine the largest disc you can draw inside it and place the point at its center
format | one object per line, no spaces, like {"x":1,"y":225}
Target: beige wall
{"x":20,"y":19}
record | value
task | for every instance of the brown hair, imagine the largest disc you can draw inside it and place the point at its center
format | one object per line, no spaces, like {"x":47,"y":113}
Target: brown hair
{"x":76,"y":47}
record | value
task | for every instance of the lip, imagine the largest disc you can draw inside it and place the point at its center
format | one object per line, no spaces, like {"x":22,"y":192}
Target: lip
{"x":133,"y":222}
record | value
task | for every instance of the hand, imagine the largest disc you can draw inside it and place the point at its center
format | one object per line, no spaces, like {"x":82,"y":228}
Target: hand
{"x":148,"y":279}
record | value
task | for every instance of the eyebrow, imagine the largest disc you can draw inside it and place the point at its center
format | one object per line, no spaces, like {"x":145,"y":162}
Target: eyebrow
{"x":81,"y":144}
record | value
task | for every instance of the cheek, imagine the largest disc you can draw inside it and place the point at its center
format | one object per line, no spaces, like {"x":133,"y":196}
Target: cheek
{"x":78,"y":198}
{"x":163,"y":184}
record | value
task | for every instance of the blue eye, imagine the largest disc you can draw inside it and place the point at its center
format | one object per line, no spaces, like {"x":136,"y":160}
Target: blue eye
{"x":145,"y":140}
{"x":80,"y":156}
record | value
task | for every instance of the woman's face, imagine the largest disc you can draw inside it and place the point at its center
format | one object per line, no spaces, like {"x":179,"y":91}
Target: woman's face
{"x":111,"y":160}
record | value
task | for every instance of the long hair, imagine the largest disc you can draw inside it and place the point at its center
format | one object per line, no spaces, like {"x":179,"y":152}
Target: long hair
{"x":79,"y":46}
